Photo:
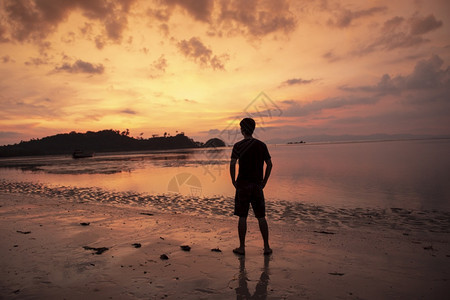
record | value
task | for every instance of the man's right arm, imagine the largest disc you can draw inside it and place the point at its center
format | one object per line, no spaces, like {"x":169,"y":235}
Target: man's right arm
{"x":267,"y":173}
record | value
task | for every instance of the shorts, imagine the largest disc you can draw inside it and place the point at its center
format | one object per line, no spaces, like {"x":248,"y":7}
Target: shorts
{"x":249,"y":193}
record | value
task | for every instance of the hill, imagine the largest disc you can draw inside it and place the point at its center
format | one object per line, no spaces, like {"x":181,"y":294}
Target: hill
{"x":101,"y":141}
{"x":213,"y":143}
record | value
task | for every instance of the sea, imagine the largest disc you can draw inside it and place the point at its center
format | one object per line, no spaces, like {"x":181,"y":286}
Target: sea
{"x":406,"y":174}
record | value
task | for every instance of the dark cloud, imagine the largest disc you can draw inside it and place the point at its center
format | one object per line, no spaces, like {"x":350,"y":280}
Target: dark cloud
{"x":251,"y":17}
{"x":427,"y":75}
{"x":8,"y":134}
{"x":330,"y":56}
{"x":397,"y":33}
{"x":391,"y":41}
{"x":257,"y":18}
{"x":99,"y":42}
{"x":158,"y":67}
{"x":344,"y":17}
{"x":200,"y":10}
{"x":3,"y":31}
{"x":297,"y":81}
{"x":36,"y":61}
{"x":164,"y":28}
{"x":161,"y":14}
{"x":81,"y":67}
{"x":424,"y":25}
{"x":6,"y":59}
{"x":197,"y":51}
{"x":392,"y":24}
{"x":36,"y":19}
{"x":160,"y":64}
{"x":299,"y":109}
{"x":128,"y":111}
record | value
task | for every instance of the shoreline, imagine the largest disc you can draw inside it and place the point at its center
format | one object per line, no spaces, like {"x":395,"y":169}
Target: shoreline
{"x":43,"y":255}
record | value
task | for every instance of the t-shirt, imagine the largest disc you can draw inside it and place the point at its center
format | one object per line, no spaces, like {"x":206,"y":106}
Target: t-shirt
{"x":251,"y":154}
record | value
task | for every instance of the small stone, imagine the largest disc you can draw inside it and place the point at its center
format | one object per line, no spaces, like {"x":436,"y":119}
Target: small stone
{"x":163,"y":257}
{"x":98,"y":251}
{"x":185,"y":248}
{"x":136,"y":245}
{"x":216,"y":250}
{"x":23,"y":232}
{"x":85,"y":223}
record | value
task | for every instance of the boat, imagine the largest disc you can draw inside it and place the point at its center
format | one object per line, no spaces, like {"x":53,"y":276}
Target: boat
{"x":82,"y":154}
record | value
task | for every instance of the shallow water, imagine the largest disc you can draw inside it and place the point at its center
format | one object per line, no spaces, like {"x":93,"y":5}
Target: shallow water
{"x":404,"y":174}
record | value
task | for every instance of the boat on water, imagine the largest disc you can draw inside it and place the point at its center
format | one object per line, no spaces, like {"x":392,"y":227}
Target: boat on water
{"x":82,"y":154}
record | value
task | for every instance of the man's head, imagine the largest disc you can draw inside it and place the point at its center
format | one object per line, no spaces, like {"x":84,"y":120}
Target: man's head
{"x":247,"y":126}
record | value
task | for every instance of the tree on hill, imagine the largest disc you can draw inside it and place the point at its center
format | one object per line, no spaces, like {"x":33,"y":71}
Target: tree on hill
{"x":101,"y":141}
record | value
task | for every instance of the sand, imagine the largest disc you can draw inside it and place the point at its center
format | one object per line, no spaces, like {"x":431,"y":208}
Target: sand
{"x":47,"y":254}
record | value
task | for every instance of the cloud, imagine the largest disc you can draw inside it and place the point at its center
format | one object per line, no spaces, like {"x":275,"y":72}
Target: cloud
{"x":158,"y":67}
{"x":201,"y":54}
{"x":294,"y":108}
{"x":128,"y":111}
{"x":330,"y":56}
{"x":427,"y":75}
{"x":3,"y":31}
{"x":81,"y":67}
{"x":297,"y":81}
{"x":392,"y":24}
{"x":251,"y":17}
{"x":34,"y":20}
{"x":6,"y":59}
{"x":257,"y":18}
{"x":36,"y":61}
{"x":397,"y":33}
{"x":424,"y":25}
{"x":345,"y":17}
{"x":160,"y":64}
{"x":200,"y":10}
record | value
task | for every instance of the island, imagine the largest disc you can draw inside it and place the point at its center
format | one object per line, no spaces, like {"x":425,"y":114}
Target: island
{"x":101,"y":141}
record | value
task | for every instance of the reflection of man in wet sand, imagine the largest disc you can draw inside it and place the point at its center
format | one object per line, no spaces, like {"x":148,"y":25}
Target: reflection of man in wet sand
{"x":252,"y":154}
{"x":242,"y":291}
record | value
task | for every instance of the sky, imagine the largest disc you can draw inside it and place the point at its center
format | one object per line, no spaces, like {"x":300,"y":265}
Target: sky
{"x":299,"y":68}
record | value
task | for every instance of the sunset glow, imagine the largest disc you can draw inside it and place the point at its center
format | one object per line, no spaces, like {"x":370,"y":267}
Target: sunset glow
{"x":328,"y":67}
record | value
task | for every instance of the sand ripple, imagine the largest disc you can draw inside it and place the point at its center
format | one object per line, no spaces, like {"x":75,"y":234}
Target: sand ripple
{"x":278,"y":211}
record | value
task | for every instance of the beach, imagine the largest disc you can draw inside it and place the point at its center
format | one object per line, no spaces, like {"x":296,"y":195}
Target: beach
{"x":57,"y":246}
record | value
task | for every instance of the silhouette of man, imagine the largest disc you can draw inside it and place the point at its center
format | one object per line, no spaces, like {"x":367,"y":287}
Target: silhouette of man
{"x":251,"y":180}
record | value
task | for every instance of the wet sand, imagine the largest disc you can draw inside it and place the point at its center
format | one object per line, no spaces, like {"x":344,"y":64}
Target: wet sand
{"x":331,"y":254}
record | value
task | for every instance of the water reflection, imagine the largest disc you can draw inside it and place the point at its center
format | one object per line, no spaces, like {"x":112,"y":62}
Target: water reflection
{"x":407,"y":174}
{"x":242,"y":291}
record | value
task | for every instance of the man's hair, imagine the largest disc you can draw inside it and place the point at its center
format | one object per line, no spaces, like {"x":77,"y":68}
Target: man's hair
{"x":248,"y":125}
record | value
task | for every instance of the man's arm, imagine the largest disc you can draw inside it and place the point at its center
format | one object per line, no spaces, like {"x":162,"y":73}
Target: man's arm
{"x":267,"y":174}
{"x":233,"y":171}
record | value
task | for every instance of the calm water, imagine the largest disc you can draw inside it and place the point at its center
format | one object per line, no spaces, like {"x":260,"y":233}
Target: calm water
{"x":407,"y":174}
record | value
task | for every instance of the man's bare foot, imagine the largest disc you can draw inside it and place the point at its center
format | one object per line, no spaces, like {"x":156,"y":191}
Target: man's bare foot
{"x":240,"y":251}
{"x":267,"y":251}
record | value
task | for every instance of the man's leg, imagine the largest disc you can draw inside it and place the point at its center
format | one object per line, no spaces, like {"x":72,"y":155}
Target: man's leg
{"x":264,"y":228}
{"x":242,"y":230}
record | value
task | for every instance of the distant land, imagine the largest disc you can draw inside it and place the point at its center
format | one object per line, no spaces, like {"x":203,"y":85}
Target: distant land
{"x":354,"y":138}
{"x":100,"y":141}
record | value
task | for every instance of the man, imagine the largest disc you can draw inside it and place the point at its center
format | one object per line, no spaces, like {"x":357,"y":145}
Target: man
{"x":252,"y":154}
